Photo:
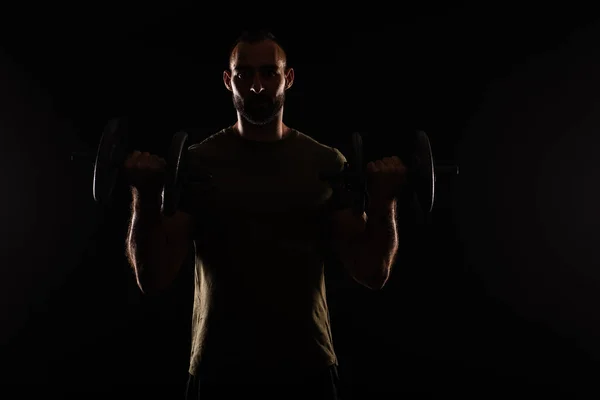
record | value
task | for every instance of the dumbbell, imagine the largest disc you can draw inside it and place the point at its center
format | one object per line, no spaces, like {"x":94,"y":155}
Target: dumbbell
{"x":422,"y":172}
{"x":109,"y":160}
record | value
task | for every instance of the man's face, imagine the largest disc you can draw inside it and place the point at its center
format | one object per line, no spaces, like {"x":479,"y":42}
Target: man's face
{"x":258,"y":81}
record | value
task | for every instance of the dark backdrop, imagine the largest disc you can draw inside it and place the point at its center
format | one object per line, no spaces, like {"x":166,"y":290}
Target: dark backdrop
{"x":499,"y":292}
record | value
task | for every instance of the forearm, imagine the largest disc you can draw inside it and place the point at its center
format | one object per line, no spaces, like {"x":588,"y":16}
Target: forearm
{"x":147,"y":241}
{"x":377,"y":248}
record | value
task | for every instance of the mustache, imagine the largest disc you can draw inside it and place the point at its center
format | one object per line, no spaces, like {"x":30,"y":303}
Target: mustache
{"x":259,"y":98}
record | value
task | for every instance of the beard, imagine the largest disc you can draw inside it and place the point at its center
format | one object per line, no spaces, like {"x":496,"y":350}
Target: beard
{"x":258,"y":109}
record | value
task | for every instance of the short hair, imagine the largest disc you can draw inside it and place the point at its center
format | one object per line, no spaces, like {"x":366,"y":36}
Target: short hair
{"x":255,"y":36}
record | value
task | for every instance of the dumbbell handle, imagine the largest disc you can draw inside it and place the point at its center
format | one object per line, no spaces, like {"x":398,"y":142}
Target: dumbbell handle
{"x":443,"y":169}
{"x":81,"y":156}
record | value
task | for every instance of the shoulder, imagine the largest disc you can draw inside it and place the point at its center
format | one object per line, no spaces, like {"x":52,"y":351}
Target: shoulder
{"x":331,"y":156}
{"x":209,"y":143}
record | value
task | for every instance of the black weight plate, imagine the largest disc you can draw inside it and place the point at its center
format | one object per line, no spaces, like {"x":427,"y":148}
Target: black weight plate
{"x":357,"y":168}
{"x":110,"y":157}
{"x":424,"y":172}
{"x":357,"y":159}
{"x":175,"y":173}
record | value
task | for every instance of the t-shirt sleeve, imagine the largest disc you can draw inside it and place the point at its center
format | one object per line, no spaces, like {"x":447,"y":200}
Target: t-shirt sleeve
{"x":186,"y":195}
{"x":335,"y":164}
{"x":195,"y":185}
{"x":339,"y":160}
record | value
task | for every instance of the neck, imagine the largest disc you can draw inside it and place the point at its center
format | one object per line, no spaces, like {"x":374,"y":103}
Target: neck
{"x":271,"y":132}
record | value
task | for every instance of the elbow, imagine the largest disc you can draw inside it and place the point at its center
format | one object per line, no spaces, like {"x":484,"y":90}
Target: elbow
{"x":144,"y":285}
{"x":373,"y":284}
{"x":372,"y":281}
{"x":377,"y":285}
{"x":370,"y":270}
{"x":151,"y":288}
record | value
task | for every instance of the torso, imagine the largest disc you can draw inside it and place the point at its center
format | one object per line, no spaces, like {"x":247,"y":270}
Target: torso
{"x":260,"y":292}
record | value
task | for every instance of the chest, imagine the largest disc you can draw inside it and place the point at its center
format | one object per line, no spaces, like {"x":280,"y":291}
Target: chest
{"x":260,"y":198}
{"x":266,"y":185}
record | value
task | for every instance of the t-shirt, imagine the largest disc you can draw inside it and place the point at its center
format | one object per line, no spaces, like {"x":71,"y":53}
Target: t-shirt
{"x":261,"y":238}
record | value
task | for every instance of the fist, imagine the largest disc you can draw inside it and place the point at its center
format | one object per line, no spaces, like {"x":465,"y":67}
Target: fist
{"x":145,"y":172}
{"x":386,"y":178}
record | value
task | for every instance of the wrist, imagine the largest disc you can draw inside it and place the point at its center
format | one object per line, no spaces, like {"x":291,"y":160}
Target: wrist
{"x":146,"y":200}
{"x":381,"y":204}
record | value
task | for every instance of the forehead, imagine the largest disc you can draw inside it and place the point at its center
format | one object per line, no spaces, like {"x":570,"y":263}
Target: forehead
{"x":257,"y":54}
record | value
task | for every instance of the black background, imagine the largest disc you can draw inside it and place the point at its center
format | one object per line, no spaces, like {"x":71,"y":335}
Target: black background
{"x":498,"y":293}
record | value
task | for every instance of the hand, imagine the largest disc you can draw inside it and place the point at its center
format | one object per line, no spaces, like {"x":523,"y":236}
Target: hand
{"x":145,"y":172}
{"x":385,"y":178}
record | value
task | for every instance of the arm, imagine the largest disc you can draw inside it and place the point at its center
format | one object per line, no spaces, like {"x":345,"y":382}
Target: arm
{"x":156,"y":245}
{"x":378,"y":245}
{"x":367,"y":245}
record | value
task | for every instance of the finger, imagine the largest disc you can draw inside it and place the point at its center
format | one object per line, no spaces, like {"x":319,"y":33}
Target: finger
{"x":398,"y":165}
{"x":133,"y":155}
{"x":154,"y":159}
{"x":143,"y":161}
{"x":397,"y":161}
{"x":131,"y":159}
{"x":158,"y":163}
{"x":371,"y":167}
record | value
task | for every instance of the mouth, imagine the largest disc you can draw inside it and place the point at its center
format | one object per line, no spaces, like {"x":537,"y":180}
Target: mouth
{"x":260,"y":99}
{"x":260,"y":105}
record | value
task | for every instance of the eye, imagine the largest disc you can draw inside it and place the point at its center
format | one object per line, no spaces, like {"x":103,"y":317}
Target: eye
{"x":268,"y":72}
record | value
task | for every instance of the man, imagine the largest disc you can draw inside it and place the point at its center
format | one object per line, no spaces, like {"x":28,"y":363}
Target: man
{"x":260,"y":228}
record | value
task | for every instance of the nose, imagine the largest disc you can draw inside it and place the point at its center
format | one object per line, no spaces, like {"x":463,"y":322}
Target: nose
{"x":257,"y":85}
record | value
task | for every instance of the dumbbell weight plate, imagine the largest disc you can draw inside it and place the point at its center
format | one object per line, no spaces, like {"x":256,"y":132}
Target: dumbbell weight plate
{"x":423,"y":172}
{"x":175,"y":173}
{"x":110,"y":157}
{"x":357,"y":166}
